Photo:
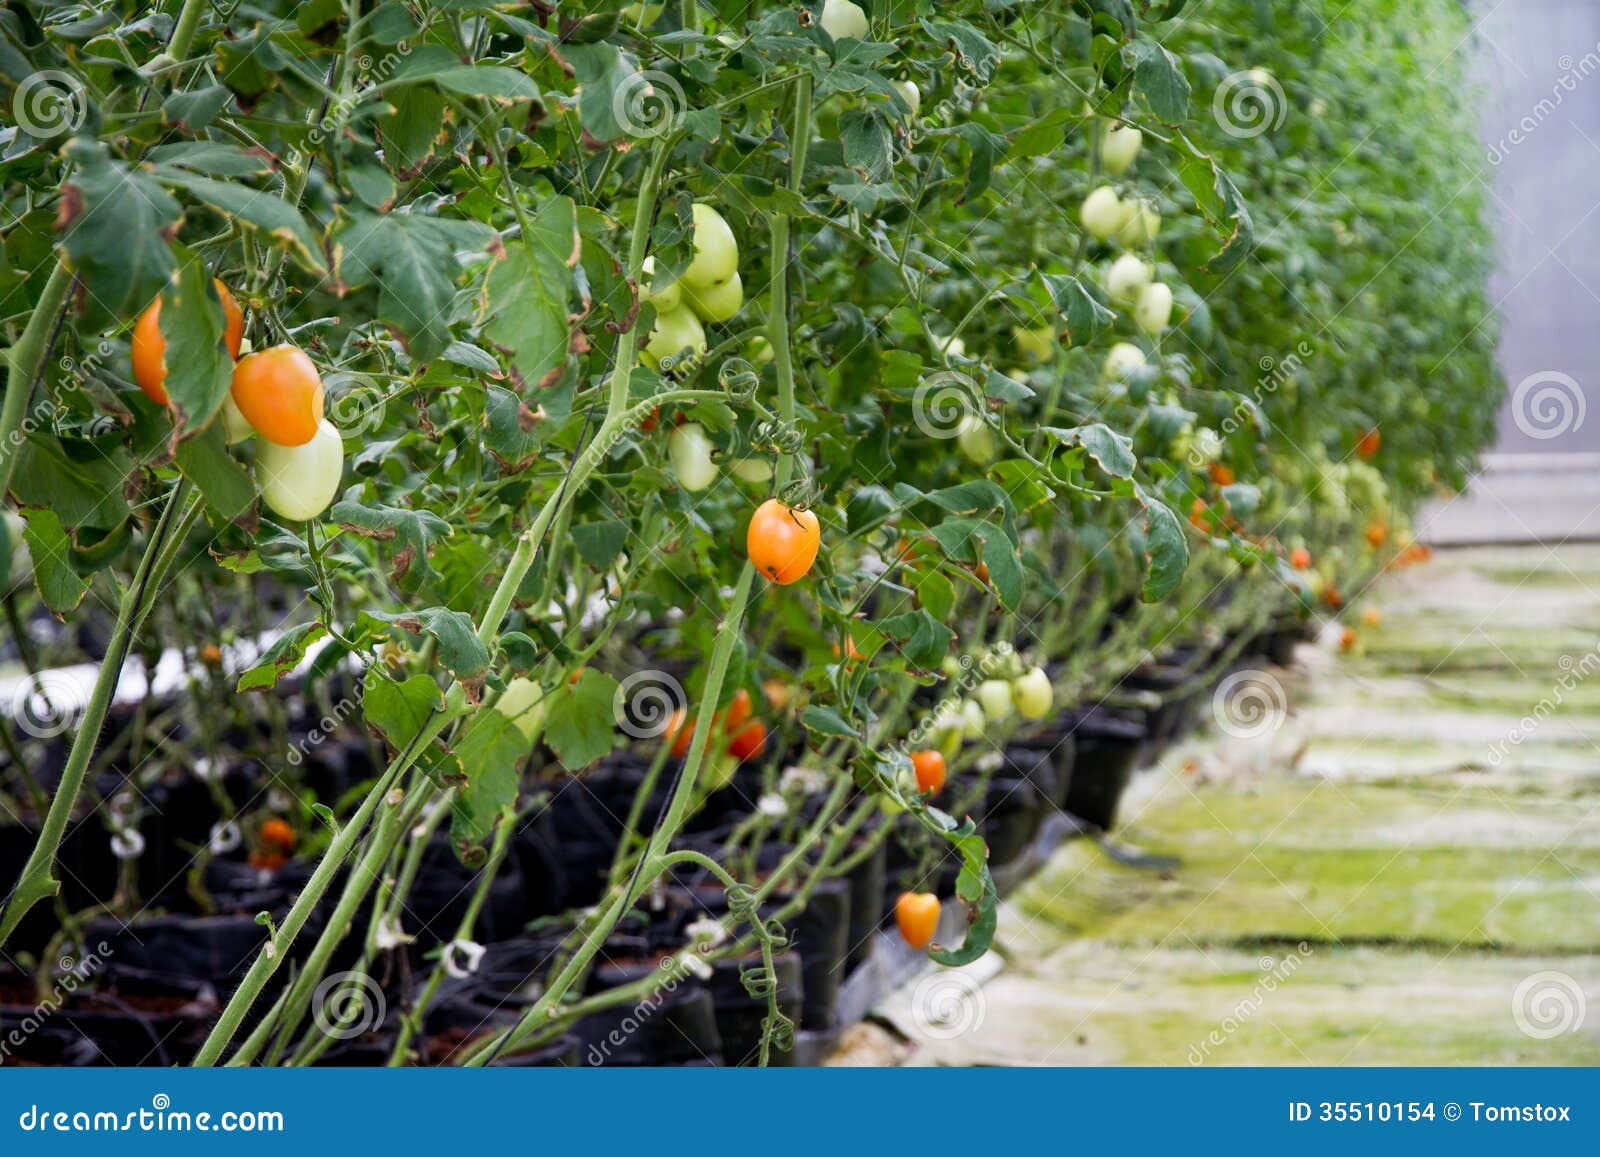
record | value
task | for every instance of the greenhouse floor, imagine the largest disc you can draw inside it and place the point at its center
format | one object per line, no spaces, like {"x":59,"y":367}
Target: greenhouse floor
{"x":1404,"y":870}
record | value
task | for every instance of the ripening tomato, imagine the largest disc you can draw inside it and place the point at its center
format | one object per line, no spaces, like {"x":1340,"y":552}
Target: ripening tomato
{"x":1377,"y":534}
{"x":150,"y":347}
{"x":279,"y":392}
{"x":777,"y":693}
{"x":750,"y":742}
{"x":782,"y":541}
{"x":278,"y":833}
{"x":930,"y":769}
{"x":1367,"y":448}
{"x":1197,"y":515}
{"x":716,"y":251}
{"x":1372,"y":616}
{"x":1221,"y":474}
{"x":1331,"y":596}
{"x":1300,"y":558}
{"x":739,"y":712}
{"x":211,"y":655}
{"x":716,"y":303}
{"x":917,"y":916}
{"x":299,"y":482}
{"x":1347,"y":639}
{"x":679,"y":732}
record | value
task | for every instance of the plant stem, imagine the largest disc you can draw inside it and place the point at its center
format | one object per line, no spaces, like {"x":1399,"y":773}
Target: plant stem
{"x":27,"y":364}
{"x":36,"y":881}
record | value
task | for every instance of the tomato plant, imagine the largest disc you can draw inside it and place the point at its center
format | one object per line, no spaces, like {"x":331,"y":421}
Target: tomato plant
{"x":915,"y":364}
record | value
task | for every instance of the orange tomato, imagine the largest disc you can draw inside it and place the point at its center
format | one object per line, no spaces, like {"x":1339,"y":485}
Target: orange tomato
{"x":739,"y":712}
{"x":917,"y":916}
{"x":280,"y":394}
{"x":855,"y":652}
{"x":1367,"y":447}
{"x":1197,"y":515}
{"x":211,"y":655}
{"x":1347,"y":639}
{"x":777,"y":693}
{"x":1372,"y":616}
{"x":1222,"y":475}
{"x":1300,"y":558}
{"x":267,"y":860}
{"x":981,"y":571}
{"x":150,"y":347}
{"x":278,"y":833}
{"x":749,"y":743}
{"x":929,"y":766}
{"x":783,"y":541}
{"x":1377,"y":532}
{"x":679,"y":732}
{"x":1331,"y":596}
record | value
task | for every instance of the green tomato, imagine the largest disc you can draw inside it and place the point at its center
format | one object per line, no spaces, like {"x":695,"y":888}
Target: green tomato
{"x":1127,"y":278}
{"x":299,"y":482}
{"x":756,"y":471}
{"x":844,"y":20}
{"x":911,"y":94}
{"x":716,"y":252}
{"x":690,"y":452}
{"x":666,"y":299}
{"x":642,"y":15}
{"x":1122,"y":360}
{"x":676,"y":332}
{"x":759,"y":351}
{"x":995,"y":696}
{"x":1103,"y":213}
{"x":235,"y":426}
{"x":1037,"y":345}
{"x":1119,"y":147}
{"x":1033,"y":694}
{"x":1153,"y":311}
{"x":973,"y":722}
{"x":716,"y":303}
{"x":977,"y":440}
{"x":522,"y":702}
{"x":1142,"y":225}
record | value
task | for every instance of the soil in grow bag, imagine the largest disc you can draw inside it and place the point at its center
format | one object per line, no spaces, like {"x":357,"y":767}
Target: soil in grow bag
{"x":137,"y":1018}
{"x":1009,"y":818}
{"x":1108,"y":749}
{"x":679,"y":1024}
{"x":444,"y":889}
{"x":867,"y":882}
{"x":215,"y":948}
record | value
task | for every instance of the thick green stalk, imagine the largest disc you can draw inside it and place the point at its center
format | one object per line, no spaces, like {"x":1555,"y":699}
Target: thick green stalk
{"x":338,"y":852}
{"x":36,"y":881}
{"x":26,"y":365}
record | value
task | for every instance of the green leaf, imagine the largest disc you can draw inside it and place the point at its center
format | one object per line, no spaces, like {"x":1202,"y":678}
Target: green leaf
{"x":286,"y":653}
{"x":115,"y":222}
{"x":868,"y":142}
{"x":973,"y":51}
{"x":459,"y":648}
{"x":525,"y":304}
{"x":1219,"y":203}
{"x":199,"y":367}
{"x":1112,"y":452}
{"x":212,"y":158}
{"x":195,"y":109}
{"x":1166,"y":548}
{"x":411,"y":132}
{"x":922,"y":639}
{"x":581,"y":724}
{"x":413,"y":261}
{"x":279,"y":221}
{"x":398,"y":710}
{"x":414,"y":530}
{"x":508,"y":430}
{"x":936,"y":593}
{"x":491,"y":750}
{"x":827,"y":721}
{"x":436,"y":65}
{"x":1242,"y":498}
{"x":1079,"y":305}
{"x":599,"y":543}
{"x":60,"y":586}
{"x":974,"y":886}
{"x":1159,"y":76}
{"x":1005,"y":570}
{"x":221,"y":477}
{"x":606,"y":79}
{"x":84,"y":489}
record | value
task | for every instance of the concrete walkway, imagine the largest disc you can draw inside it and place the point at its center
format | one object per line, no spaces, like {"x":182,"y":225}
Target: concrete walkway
{"x":1402,"y":868}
